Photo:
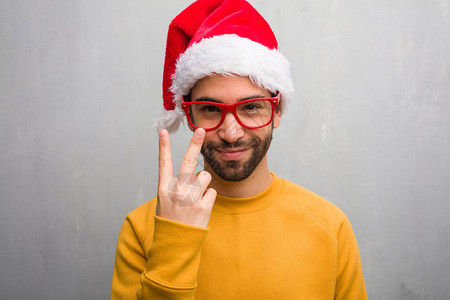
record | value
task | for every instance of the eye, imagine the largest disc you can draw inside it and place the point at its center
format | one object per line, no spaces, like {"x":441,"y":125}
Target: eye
{"x":251,"y":107}
{"x":209,"y":108}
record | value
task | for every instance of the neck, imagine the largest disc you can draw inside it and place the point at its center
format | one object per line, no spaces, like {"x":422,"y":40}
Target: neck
{"x":256,"y":183}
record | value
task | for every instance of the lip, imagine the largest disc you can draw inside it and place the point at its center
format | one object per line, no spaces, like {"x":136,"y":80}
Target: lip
{"x":232,"y":154}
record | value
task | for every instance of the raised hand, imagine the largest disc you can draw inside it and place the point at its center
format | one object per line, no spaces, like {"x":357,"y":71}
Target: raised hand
{"x":186,"y":198}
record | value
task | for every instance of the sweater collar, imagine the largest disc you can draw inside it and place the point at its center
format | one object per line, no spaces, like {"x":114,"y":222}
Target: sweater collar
{"x":251,"y":204}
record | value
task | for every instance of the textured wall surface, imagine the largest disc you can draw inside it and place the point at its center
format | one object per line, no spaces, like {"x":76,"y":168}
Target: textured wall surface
{"x":80,"y":83}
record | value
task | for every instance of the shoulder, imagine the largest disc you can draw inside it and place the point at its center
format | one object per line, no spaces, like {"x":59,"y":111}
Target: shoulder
{"x":142,"y":212}
{"x":319,"y":209}
{"x":140,"y":222}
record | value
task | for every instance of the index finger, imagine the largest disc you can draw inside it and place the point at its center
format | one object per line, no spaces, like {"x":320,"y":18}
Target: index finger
{"x":190,"y":159}
{"x":165,"y":157}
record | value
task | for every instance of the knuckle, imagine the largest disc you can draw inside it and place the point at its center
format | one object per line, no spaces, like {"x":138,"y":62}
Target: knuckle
{"x":206,"y":210}
{"x":189,"y":162}
{"x":165,"y":161}
{"x":162,"y":194}
{"x":202,"y":208}
{"x":197,"y":141}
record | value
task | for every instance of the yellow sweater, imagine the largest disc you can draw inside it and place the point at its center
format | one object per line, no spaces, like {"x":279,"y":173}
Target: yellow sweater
{"x":285,"y":243}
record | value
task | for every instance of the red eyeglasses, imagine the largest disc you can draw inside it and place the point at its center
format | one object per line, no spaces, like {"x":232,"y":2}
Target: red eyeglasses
{"x":251,"y":114}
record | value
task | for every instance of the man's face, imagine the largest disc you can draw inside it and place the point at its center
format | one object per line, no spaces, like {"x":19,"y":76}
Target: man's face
{"x":231,"y":151}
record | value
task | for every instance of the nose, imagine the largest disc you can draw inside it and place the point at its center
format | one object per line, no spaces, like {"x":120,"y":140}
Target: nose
{"x":230,"y":130}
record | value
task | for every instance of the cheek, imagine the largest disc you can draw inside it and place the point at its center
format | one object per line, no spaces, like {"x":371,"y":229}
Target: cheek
{"x":261,"y":134}
{"x":211,"y":136}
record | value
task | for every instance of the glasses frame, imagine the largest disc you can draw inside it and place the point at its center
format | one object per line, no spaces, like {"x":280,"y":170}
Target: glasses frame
{"x":185,"y":105}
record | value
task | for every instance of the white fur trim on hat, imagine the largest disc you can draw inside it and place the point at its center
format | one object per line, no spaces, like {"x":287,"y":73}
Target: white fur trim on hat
{"x":169,"y":119}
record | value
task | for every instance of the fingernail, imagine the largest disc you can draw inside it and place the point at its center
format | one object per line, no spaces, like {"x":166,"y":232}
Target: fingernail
{"x":199,"y":133}
{"x":204,"y":174}
{"x":163,"y":133}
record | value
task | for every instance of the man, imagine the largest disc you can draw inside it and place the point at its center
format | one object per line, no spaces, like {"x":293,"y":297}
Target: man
{"x":234,"y":230}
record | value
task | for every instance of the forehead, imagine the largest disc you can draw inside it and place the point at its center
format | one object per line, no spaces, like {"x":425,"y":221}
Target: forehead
{"x":227,"y":88}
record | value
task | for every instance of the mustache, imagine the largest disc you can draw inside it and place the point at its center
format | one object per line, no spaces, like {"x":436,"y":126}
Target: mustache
{"x":227,"y":145}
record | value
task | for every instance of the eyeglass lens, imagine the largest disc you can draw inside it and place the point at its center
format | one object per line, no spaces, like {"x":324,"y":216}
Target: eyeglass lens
{"x":252,"y":114}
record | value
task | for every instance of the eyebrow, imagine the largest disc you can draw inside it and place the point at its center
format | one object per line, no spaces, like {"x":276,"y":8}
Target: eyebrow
{"x":209,"y":99}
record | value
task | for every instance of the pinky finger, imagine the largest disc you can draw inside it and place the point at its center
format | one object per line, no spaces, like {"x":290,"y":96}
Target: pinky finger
{"x":209,"y":197}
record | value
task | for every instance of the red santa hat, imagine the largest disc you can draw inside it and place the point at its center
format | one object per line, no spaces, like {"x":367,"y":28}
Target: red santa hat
{"x":220,"y":37}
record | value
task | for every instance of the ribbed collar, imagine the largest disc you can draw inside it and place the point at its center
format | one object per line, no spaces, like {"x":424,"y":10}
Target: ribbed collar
{"x":250,"y":204}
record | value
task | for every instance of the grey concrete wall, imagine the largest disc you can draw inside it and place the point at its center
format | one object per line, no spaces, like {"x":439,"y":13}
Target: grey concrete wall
{"x":80,"y":82}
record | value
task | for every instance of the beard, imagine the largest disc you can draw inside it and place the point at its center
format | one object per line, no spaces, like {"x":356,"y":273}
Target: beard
{"x":234,"y":170}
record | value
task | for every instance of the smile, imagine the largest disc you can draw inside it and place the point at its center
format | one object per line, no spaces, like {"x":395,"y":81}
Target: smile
{"x":232,"y":154}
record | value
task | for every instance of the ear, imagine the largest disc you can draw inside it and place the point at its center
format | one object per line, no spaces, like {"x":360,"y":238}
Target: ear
{"x":277,"y":116}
